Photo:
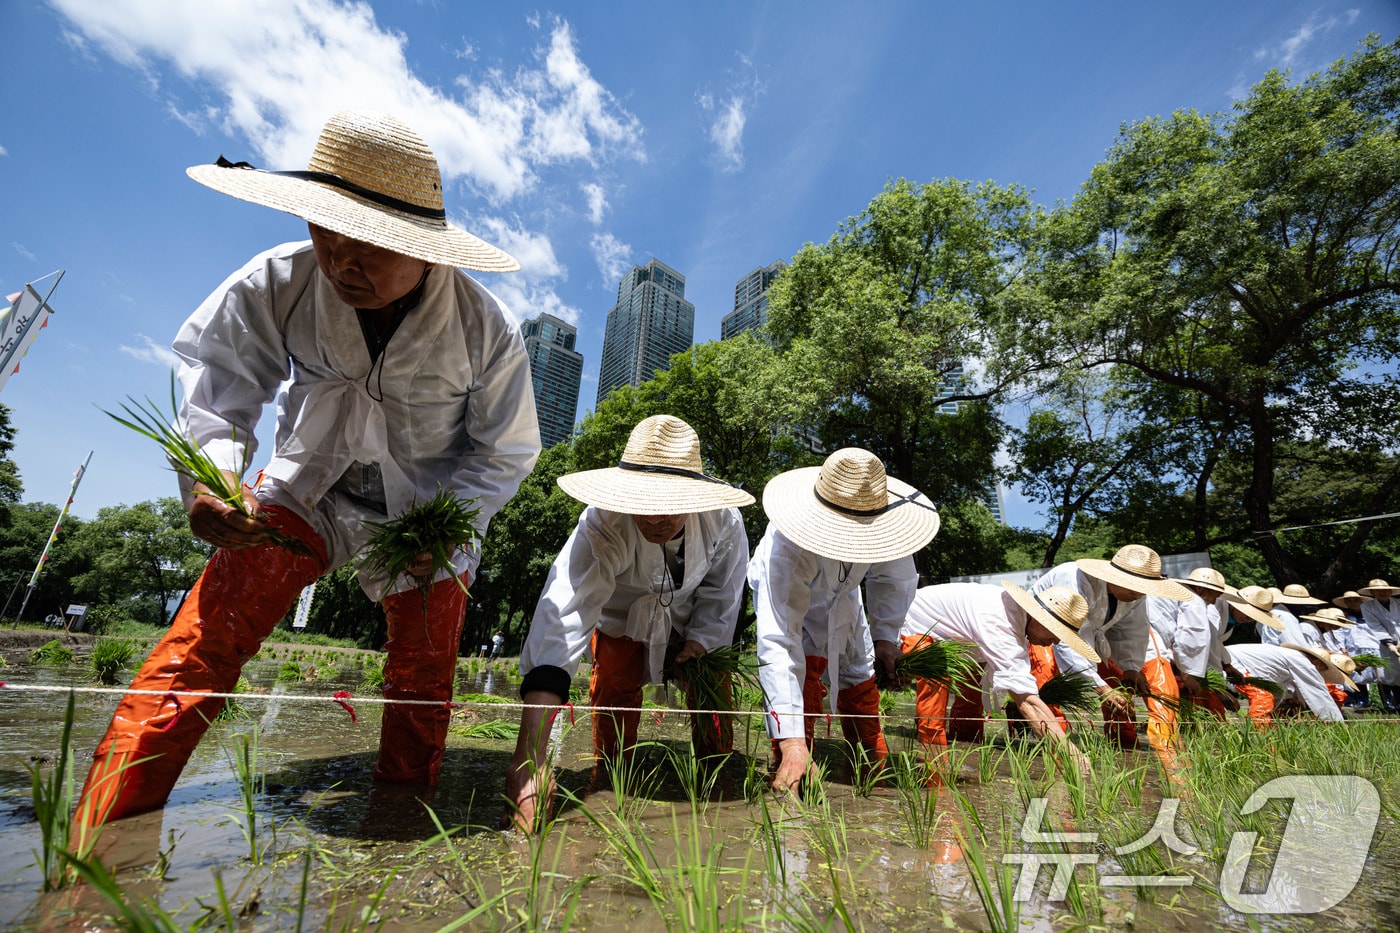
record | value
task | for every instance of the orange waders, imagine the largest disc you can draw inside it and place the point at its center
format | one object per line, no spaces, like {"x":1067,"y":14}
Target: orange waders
{"x":858,"y":706}
{"x":935,"y":723}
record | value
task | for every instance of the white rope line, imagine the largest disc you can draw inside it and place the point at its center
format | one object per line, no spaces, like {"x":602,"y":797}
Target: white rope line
{"x":346,"y":697}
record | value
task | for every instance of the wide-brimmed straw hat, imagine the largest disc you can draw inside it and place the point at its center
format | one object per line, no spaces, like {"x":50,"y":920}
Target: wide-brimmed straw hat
{"x":1207,"y":578}
{"x":1138,"y":568}
{"x":1379,"y":589}
{"x":1329,"y":616}
{"x":372,"y":179}
{"x":659,"y":474}
{"x":847,"y":509}
{"x":1061,"y":610}
{"x":1331,"y":672}
{"x":1296,"y":594}
{"x":1255,"y":602}
{"x":1349,"y":594}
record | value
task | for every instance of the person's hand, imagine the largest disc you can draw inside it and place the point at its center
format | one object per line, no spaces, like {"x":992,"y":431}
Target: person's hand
{"x":420,"y":567}
{"x":1191,"y":685}
{"x":1115,"y":701}
{"x":793,"y":769}
{"x":691,"y":649}
{"x":213,"y":520}
{"x":887,"y":655}
{"x":1232,"y":702}
{"x":528,"y":792}
{"x":1135,"y":681}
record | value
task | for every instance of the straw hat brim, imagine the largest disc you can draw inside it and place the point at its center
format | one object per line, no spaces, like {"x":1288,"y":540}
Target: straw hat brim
{"x":1104,"y":570}
{"x":1042,"y":615}
{"x":1254,"y":612}
{"x":1340,"y":601}
{"x":792,"y":506}
{"x":434,"y":241}
{"x":1286,"y":600}
{"x":1340,"y":623}
{"x":1188,"y":583}
{"x":1333,"y":673}
{"x":1379,"y":592}
{"x":636,"y":493}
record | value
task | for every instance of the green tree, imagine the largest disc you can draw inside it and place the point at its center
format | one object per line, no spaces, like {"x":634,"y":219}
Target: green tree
{"x":22,"y":537}
{"x":142,"y":557}
{"x":11,"y":489}
{"x":1250,"y":260}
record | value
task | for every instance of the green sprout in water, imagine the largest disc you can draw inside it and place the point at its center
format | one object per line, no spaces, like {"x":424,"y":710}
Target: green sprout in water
{"x":190,"y":461}
{"x":947,"y":663}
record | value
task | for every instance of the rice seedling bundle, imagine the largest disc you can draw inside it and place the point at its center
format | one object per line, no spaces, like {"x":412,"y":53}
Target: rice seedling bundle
{"x":713,"y":678}
{"x":438,"y":528}
{"x":54,"y":653}
{"x":1366,"y":659}
{"x":1070,"y":691}
{"x":945,"y":662}
{"x":109,"y":657}
{"x":187,"y":459}
{"x":491,"y":729}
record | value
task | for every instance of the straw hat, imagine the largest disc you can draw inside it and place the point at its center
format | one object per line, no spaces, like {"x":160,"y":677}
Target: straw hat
{"x":1295,"y":594}
{"x":659,"y":474}
{"x":1061,"y":610}
{"x":1331,"y":673}
{"x":370,"y":178}
{"x":1135,"y":567}
{"x":1349,"y":594}
{"x":1207,"y":578}
{"x":1379,"y":589}
{"x":1329,"y":616}
{"x":1255,"y":602}
{"x":847,"y":509}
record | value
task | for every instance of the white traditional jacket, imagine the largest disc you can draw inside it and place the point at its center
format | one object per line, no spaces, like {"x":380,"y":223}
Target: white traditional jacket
{"x":987,"y":618}
{"x":808,"y":604}
{"x":449,"y":404}
{"x":1291,"y":670}
{"x":1123,"y":638}
{"x":1382,"y":617}
{"x":610,"y":578}
{"x":1295,"y":631}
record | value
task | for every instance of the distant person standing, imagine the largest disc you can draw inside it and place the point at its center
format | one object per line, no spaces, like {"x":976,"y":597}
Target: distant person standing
{"x":1382,"y":614}
{"x":498,"y":641}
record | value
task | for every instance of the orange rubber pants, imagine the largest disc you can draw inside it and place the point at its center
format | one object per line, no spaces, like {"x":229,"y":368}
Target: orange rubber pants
{"x":965,"y":721}
{"x":1120,"y":727}
{"x":1338,"y":694}
{"x":858,"y":708}
{"x":1043,"y":667}
{"x":1207,"y":700}
{"x":1261,"y":704}
{"x":619,"y":667}
{"x":239,"y":598}
{"x":1162,"y":732}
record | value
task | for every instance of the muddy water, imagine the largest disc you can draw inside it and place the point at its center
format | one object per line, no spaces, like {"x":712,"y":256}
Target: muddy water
{"x":357,"y":854}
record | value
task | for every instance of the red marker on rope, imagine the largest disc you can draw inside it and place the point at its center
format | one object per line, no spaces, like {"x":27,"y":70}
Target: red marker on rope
{"x":342,"y":697}
{"x":179,"y":711}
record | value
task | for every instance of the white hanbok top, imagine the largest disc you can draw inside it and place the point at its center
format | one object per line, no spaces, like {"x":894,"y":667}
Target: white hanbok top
{"x":611,"y":578}
{"x":807,"y":603}
{"x":1383,"y":619}
{"x":987,"y":618}
{"x":1123,"y":638}
{"x":1292,"y":671}
{"x":1295,"y":631}
{"x":449,"y":403}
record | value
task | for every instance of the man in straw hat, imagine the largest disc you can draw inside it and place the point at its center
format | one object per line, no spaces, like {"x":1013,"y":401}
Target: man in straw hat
{"x":659,"y":555}
{"x":1303,"y":672}
{"x":830,"y":528}
{"x":399,"y":375}
{"x":1118,"y":630}
{"x":1288,"y":603}
{"x":1381,"y":613}
{"x":1344,"y":638}
{"x":1189,"y":635}
{"x":999,"y":623}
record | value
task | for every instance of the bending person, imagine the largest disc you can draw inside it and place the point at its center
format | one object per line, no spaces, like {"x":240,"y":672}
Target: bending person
{"x":399,"y":375}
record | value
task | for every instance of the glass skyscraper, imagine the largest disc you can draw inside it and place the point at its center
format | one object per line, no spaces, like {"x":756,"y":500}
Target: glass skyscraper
{"x":650,"y":322}
{"x":556,"y":370}
{"x":750,"y":301}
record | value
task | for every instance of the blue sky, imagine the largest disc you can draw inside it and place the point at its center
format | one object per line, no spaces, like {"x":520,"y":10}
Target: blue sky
{"x":715,"y":136}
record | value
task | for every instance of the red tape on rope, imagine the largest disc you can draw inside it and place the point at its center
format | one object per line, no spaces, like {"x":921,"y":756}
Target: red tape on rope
{"x":341,"y":697}
{"x":179,"y":711}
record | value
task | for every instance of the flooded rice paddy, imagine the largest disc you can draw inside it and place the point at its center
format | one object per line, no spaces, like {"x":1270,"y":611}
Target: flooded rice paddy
{"x":685,"y":849}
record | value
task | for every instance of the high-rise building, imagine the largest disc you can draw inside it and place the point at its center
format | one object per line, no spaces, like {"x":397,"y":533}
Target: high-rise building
{"x":556,"y":370}
{"x":750,"y":301}
{"x":993,"y":494}
{"x":650,"y":322}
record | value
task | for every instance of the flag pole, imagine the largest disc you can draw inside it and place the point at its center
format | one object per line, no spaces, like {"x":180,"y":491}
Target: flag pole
{"x":27,"y":324}
{"x":53,"y":536}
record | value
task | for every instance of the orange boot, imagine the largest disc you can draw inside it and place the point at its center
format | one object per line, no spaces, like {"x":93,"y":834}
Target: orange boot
{"x":618,"y":669}
{"x":238,"y":600}
{"x":860,"y":719}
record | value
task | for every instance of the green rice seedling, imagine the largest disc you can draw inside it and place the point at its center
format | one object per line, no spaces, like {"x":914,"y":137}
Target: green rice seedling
{"x":697,"y":886}
{"x":439,"y":528}
{"x":994,"y":880}
{"x":139,"y":913}
{"x":947,"y":663}
{"x":771,"y":834}
{"x":290,"y":671}
{"x":109,"y":657}
{"x":987,"y":762}
{"x":1071,"y":692}
{"x":187,"y":459}
{"x":246,"y":767}
{"x":482,"y":698}
{"x":491,"y":729}
{"x":634,"y":779}
{"x":712,"y":677}
{"x":826,"y":831}
{"x":696,"y":777}
{"x":373,"y":671}
{"x":52,"y":798}
{"x":918,"y":800}
{"x":234,"y":709}
{"x":488,"y":909}
{"x":865,"y":774}
{"x":52,"y":654}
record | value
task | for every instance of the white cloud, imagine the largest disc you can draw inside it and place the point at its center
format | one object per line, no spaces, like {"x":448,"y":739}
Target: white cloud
{"x":4,"y":151}
{"x":533,"y":289}
{"x":281,"y":67}
{"x":152,"y":352}
{"x":1288,"y":52}
{"x":612,"y":255}
{"x":597,"y":201}
{"x":727,"y":116}
{"x":19,"y":248}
